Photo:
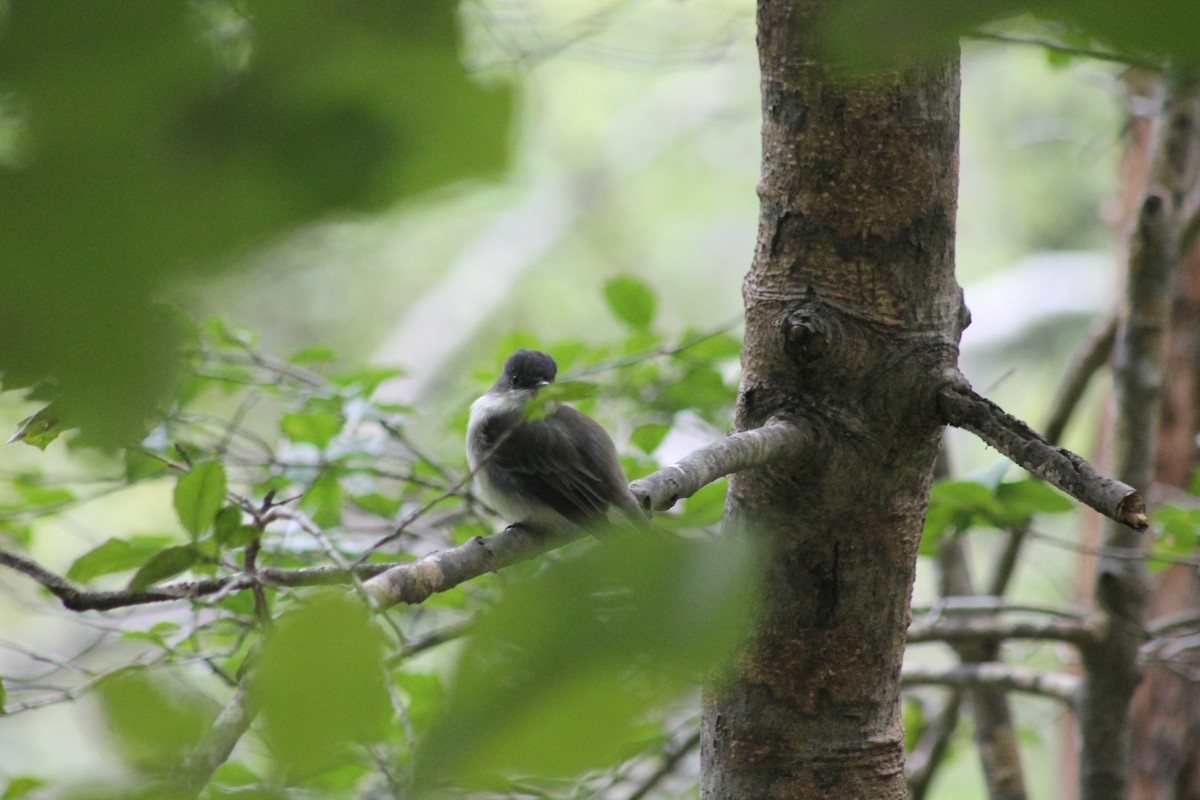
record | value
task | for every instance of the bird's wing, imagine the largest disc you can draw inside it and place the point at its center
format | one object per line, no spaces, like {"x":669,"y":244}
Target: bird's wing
{"x":575,"y":478}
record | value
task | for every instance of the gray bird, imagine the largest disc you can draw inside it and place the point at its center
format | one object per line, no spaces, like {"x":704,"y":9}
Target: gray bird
{"x":559,"y":470}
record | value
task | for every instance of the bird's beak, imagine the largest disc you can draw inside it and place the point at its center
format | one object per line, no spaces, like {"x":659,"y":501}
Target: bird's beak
{"x":540,"y":384}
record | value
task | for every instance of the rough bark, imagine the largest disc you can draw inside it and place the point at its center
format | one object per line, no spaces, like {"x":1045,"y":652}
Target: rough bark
{"x":852,"y":319}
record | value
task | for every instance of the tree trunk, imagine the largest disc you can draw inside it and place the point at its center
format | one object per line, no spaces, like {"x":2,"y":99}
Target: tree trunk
{"x":1166,"y":706}
{"x":852,"y":319}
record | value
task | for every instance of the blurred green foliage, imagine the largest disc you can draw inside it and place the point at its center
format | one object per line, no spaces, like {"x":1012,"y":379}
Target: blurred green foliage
{"x":569,"y":667}
{"x":154,"y":137}
{"x":561,"y":675}
{"x":874,"y":33}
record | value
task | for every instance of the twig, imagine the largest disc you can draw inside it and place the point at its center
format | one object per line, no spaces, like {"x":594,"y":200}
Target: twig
{"x":670,"y":761}
{"x":1006,"y":676}
{"x":1067,"y":50}
{"x":1092,"y":354}
{"x":987,"y":629}
{"x":963,"y":408}
{"x":76,"y":599}
{"x":931,"y":746}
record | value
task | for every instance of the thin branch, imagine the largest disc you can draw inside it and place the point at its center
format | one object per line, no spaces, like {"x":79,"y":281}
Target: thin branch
{"x":1006,"y":676}
{"x":670,"y":761}
{"x":449,"y":633}
{"x":1092,"y":354}
{"x":214,"y":750}
{"x":987,"y":629}
{"x":1067,"y":50}
{"x":76,"y":599}
{"x":963,"y":408}
{"x":415,"y":581}
{"x":995,"y":732}
{"x":662,"y":489}
{"x":975,"y":604}
{"x":931,"y":747}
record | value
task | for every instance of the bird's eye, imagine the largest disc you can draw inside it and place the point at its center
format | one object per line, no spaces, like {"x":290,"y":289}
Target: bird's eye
{"x":515,"y":380}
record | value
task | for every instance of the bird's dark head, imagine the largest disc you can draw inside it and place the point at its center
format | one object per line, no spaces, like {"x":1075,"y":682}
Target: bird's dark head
{"x":527,"y":370}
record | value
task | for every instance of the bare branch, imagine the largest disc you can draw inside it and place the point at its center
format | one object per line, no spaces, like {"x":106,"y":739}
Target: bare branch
{"x":1092,"y":354}
{"x":975,"y":604}
{"x":1067,"y":50}
{"x":77,"y":599}
{"x":1006,"y":676}
{"x":414,"y":581}
{"x":931,"y":746}
{"x":754,"y":448}
{"x":988,"y":629}
{"x":963,"y":408}
{"x":670,"y":761}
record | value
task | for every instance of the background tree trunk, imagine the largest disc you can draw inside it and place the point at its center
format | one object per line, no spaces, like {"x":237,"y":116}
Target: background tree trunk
{"x":1165,"y":714}
{"x":852,"y":317}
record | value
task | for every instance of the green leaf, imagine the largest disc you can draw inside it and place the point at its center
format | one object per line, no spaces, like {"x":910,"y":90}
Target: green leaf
{"x":701,"y":388}
{"x":323,"y":500}
{"x":631,"y":300}
{"x":166,"y":563}
{"x":311,"y":355}
{"x":314,"y":427}
{"x":1020,"y":500}
{"x":155,"y":722}
{"x":365,"y":381}
{"x":228,"y":520}
{"x":140,"y":465}
{"x":716,"y":347}
{"x":40,"y":429}
{"x":558,"y":676}
{"x":380,"y":505}
{"x":151,"y":154}
{"x":953,"y":504}
{"x":548,"y":397}
{"x":18,"y":788}
{"x":1179,"y":529}
{"x":115,"y":555}
{"x":705,"y":507}
{"x":320,"y":682}
{"x":963,"y":496}
{"x":199,"y":494}
{"x":649,"y":436}
{"x":35,"y":493}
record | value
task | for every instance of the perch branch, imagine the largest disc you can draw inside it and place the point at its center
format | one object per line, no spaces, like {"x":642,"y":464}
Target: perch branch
{"x":963,"y":408}
{"x":662,"y":489}
{"x":1006,"y":676}
{"x":413,"y":582}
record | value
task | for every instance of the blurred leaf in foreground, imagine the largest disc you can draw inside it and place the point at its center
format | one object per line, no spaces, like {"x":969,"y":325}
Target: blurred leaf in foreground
{"x":148,"y":154}
{"x":320,"y":682}
{"x":558,"y":676}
